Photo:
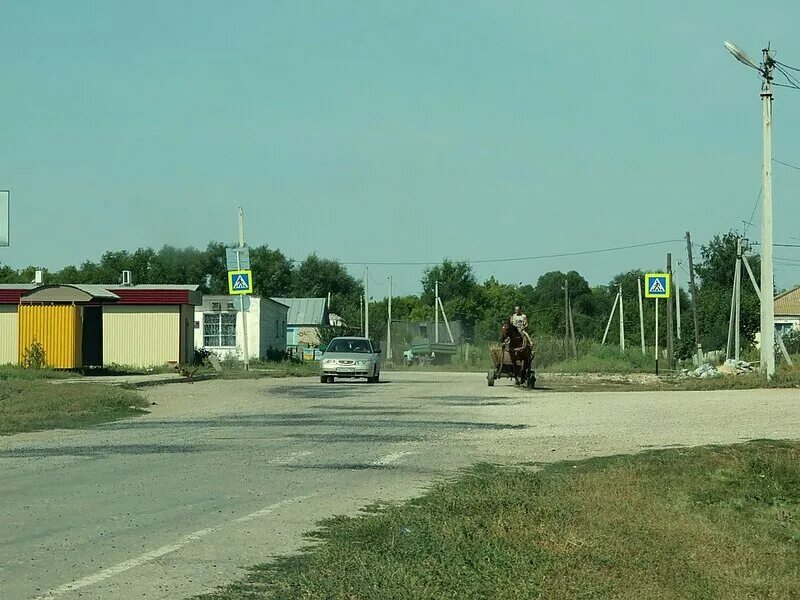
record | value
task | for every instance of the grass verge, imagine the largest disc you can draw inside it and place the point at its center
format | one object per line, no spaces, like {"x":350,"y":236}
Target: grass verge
{"x":713,"y":522}
{"x":28,"y":405}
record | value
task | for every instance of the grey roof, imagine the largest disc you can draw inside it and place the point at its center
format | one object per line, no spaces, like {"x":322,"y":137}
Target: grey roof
{"x":106,"y":287}
{"x":306,"y":311}
{"x":96,"y":291}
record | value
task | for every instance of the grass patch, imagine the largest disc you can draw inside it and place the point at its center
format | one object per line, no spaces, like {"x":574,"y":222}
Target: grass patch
{"x":28,"y":405}
{"x":264,"y":369}
{"x":12,"y":372}
{"x":713,"y":522}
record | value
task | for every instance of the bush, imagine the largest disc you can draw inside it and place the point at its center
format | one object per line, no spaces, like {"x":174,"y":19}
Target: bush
{"x":34,"y":356}
{"x":201,"y":356}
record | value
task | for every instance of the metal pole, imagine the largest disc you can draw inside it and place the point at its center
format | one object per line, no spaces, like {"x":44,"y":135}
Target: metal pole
{"x":366,"y":304}
{"x":241,"y":296}
{"x":767,"y":283}
{"x":389,"y":326}
{"x":656,"y":336}
{"x":641,"y":313}
{"x":621,"y":323}
{"x":670,"y":340}
{"x":610,"y":318}
{"x":436,"y":310}
{"x":693,"y":287}
{"x":361,"y":315}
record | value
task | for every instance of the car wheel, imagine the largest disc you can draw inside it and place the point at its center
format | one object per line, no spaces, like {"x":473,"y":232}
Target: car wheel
{"x":323,"y":379}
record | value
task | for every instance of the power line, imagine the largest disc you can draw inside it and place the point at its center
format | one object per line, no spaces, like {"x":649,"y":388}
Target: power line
{"x":517,"y":258}
{"x":785,"y":164}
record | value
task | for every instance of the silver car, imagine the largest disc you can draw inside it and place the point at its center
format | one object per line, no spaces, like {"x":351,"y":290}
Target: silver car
{"x":351,"y":357}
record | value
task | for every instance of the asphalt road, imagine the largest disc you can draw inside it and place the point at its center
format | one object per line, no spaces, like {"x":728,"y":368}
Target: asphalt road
{"x":222,"y":475}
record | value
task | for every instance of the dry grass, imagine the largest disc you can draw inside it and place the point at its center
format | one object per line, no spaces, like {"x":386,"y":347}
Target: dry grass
{"x":717,"y":522}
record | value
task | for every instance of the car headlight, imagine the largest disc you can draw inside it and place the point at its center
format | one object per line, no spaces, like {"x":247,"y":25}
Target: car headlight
{"x":328,"y":362}
{"x":361,"y":363}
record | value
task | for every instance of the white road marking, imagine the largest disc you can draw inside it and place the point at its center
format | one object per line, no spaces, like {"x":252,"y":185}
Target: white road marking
{"x":159,"y":552}
{"x":391,"y":458}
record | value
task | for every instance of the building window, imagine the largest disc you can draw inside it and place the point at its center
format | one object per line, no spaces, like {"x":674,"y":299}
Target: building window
{"x":219,"y":330}
{"x":277,"y":328}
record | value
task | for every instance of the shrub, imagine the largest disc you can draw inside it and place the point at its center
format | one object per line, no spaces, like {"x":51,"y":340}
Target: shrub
{"x":34,"y":356}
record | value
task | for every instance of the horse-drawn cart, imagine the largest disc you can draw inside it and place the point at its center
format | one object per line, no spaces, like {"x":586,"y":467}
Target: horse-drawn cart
{"x":504,"y":366}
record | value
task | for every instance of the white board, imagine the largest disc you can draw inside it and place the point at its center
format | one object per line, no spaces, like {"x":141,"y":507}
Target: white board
{"x":4,"y":202}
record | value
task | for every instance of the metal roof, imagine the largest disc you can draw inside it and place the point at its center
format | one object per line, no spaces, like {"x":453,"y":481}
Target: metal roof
{"x":306,"y":311}
{"x":787,"y":304}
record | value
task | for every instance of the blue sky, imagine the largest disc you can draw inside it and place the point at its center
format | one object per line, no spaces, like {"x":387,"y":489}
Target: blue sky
{"x":392,"y":131}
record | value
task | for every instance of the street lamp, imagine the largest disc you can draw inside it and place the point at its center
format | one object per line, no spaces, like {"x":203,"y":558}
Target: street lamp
{"x":767,"y":275}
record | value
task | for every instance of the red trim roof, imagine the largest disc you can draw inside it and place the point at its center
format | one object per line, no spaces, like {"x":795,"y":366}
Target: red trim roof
{"x":127,"y":295}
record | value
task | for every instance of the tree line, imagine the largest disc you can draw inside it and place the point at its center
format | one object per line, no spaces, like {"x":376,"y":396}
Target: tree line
{"x":479,"y":306}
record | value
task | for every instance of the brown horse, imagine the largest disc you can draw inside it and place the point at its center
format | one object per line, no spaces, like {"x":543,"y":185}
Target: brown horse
{"x":520,"y":351}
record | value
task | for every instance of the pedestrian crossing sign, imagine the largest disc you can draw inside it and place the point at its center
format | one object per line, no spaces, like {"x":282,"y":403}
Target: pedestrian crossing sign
{"x":240,"y":282}
{"x":657,"y":285}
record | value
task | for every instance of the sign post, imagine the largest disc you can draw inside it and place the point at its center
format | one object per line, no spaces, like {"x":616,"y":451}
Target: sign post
{"x":657,"y":286}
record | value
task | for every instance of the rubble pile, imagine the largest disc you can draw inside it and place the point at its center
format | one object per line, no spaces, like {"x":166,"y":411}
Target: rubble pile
{"x":729,"y":367}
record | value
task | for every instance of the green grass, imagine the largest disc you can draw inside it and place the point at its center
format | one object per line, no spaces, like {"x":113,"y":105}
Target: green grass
{"x":11,"y":372}
{"x":714,"y":522}
{"x":29,"y":405}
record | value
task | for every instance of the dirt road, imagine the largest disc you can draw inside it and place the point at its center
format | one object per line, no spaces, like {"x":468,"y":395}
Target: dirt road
{"x":225,"y":474}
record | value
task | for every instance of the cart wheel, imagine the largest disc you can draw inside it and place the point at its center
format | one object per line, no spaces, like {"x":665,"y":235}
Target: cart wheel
{"x":490,"y":378}
{"x":531,"y":380}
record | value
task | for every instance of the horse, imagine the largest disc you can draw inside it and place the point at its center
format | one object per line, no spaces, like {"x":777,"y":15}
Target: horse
{"x":520,"y":351}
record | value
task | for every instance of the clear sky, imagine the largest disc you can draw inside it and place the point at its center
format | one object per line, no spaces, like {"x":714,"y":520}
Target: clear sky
{"x":392,"y":131}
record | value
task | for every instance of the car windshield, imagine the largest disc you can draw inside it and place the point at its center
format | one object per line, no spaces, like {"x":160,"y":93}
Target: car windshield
{"x":356,"y":346}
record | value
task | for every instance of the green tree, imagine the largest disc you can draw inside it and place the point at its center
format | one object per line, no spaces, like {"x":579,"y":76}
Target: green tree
{"x":715,"y":271}
{"x":272,"y":272}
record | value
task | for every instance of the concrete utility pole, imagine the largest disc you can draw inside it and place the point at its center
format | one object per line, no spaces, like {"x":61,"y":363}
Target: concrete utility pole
{"x":693,"y":287}
{"x":678,"y":310}
{"x":765,"y":69}
{"x":436,"y":310}
{"x":566,"y":316}
{"x":621,"y":323}
{"x":610,"y":318}
{"x":389,"y":325}
{"x":366,"y":302}
{"x":670,"y":340}
{"x":641,"y":313}
{"x":241,"y":296}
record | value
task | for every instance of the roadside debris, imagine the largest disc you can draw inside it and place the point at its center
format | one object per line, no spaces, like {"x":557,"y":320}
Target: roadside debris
{"x":729,"y":367}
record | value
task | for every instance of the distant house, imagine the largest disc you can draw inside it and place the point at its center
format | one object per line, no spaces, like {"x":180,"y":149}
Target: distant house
{"x":787,"y":311}
{"x":306,"y":316}
{"x":219,"y":327}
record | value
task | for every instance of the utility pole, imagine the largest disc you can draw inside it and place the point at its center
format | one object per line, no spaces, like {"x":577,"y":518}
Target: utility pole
{"x":611,"y":318}
{"x":641,"y":313}
{"x":241,"y":296}
{"x":678,"y":309}
{"x":566,"y":316}
{"x":621,"y":323}
{"x":767,"y":275}
{"x":572,"y":333}
{"x":765,"y":69}
{"x":366,"y":302}
{"x":361,"y":314}
{"x":738,"y":284}
{"x":670,"y":340}
{"x":389,"y":326}
{"x":436,"y":311}
{"x":693,"y":287}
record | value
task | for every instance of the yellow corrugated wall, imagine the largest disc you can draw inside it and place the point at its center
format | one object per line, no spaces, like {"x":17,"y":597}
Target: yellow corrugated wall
{"x":57,"y":328}
{"x":141,"y":336}
{"x":9,"y":334}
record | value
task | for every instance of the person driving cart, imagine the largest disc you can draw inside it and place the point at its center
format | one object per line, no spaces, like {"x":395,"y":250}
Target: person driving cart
{"x":519,"y":320}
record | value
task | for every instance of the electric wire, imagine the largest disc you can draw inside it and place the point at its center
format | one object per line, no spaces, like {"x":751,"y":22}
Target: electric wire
{"x":517,"y":258}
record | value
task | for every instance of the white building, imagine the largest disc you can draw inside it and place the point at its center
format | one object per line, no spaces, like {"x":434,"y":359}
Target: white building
{"x":218,"y":326}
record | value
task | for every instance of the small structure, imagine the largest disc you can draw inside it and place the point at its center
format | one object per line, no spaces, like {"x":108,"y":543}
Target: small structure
{"x":98,"y":325}
{"x":219,"y":327}
{"x":787,"y":311}
{"x":306,"y":316}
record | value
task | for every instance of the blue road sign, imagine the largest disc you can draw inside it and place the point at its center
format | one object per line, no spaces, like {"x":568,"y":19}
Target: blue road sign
{"x":240,"y":282}
{"x":657,"y":285}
